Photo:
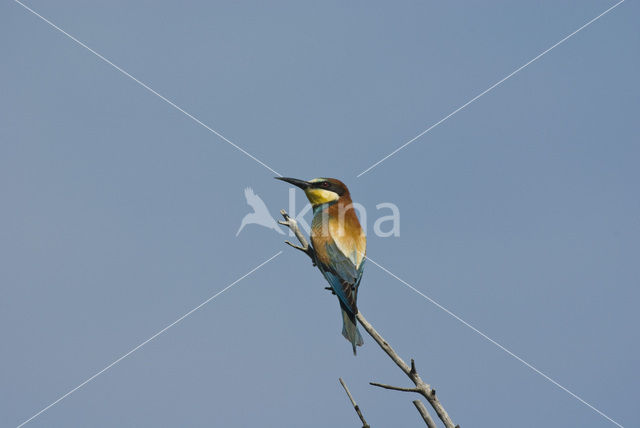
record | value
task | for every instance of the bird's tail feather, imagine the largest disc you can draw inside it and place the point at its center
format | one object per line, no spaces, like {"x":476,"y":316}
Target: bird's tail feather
{"x":350,"y":329}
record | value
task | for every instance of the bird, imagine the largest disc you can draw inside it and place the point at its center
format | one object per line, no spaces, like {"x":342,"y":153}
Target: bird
{"x":339,"y":243}
{"x":260,"y":214}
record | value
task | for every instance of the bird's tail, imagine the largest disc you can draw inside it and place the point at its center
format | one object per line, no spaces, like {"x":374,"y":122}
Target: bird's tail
{"x":350,"y":328}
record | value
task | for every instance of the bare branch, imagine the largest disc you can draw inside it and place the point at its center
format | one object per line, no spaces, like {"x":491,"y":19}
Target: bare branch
{"x":305,"y":247}
{"x":355,"y":406}
{"x":423,"y":388}
{"x":395,"y":388}
{"x":424,"y":413}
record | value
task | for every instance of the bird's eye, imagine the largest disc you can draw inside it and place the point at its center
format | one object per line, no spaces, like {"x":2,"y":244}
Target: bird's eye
{"x":325,"y":184}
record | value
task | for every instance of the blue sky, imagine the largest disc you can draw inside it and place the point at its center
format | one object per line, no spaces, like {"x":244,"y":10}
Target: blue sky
{"x":520,"y":213}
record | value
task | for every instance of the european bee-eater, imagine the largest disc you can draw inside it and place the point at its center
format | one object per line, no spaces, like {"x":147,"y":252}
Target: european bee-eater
{"x":339,"y":243}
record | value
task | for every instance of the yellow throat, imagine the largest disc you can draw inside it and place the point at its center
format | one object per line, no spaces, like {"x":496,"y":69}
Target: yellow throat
{"x":320,"y":196}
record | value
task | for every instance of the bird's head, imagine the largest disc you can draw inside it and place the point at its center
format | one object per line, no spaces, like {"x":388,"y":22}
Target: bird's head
{"x":320,"y":190}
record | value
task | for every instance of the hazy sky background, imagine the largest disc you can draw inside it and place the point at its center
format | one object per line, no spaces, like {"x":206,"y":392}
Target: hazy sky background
{"x":520,"y":213}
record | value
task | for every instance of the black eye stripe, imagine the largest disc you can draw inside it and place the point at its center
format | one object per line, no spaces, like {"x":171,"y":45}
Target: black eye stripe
{"x":328,"y":185}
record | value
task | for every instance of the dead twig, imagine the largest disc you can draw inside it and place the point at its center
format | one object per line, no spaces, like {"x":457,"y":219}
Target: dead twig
{"x":395,"y":388}
{"x":355,"y":406}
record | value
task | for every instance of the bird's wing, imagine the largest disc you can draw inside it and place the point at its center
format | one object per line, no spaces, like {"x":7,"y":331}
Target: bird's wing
{"x":343,"y":275}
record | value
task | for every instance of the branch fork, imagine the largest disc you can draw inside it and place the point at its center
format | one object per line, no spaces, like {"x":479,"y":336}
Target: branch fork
{"x":421,"y":387}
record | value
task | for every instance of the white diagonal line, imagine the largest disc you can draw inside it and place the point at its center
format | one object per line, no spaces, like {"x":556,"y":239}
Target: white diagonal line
{"x":495,"y":343}
{"x":149,"y":339}
{"x":490,"y":88}
{"x":162,"y":97}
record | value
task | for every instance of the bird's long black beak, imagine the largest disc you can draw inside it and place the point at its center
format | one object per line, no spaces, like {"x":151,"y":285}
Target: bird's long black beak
{"x":299,"y":183}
